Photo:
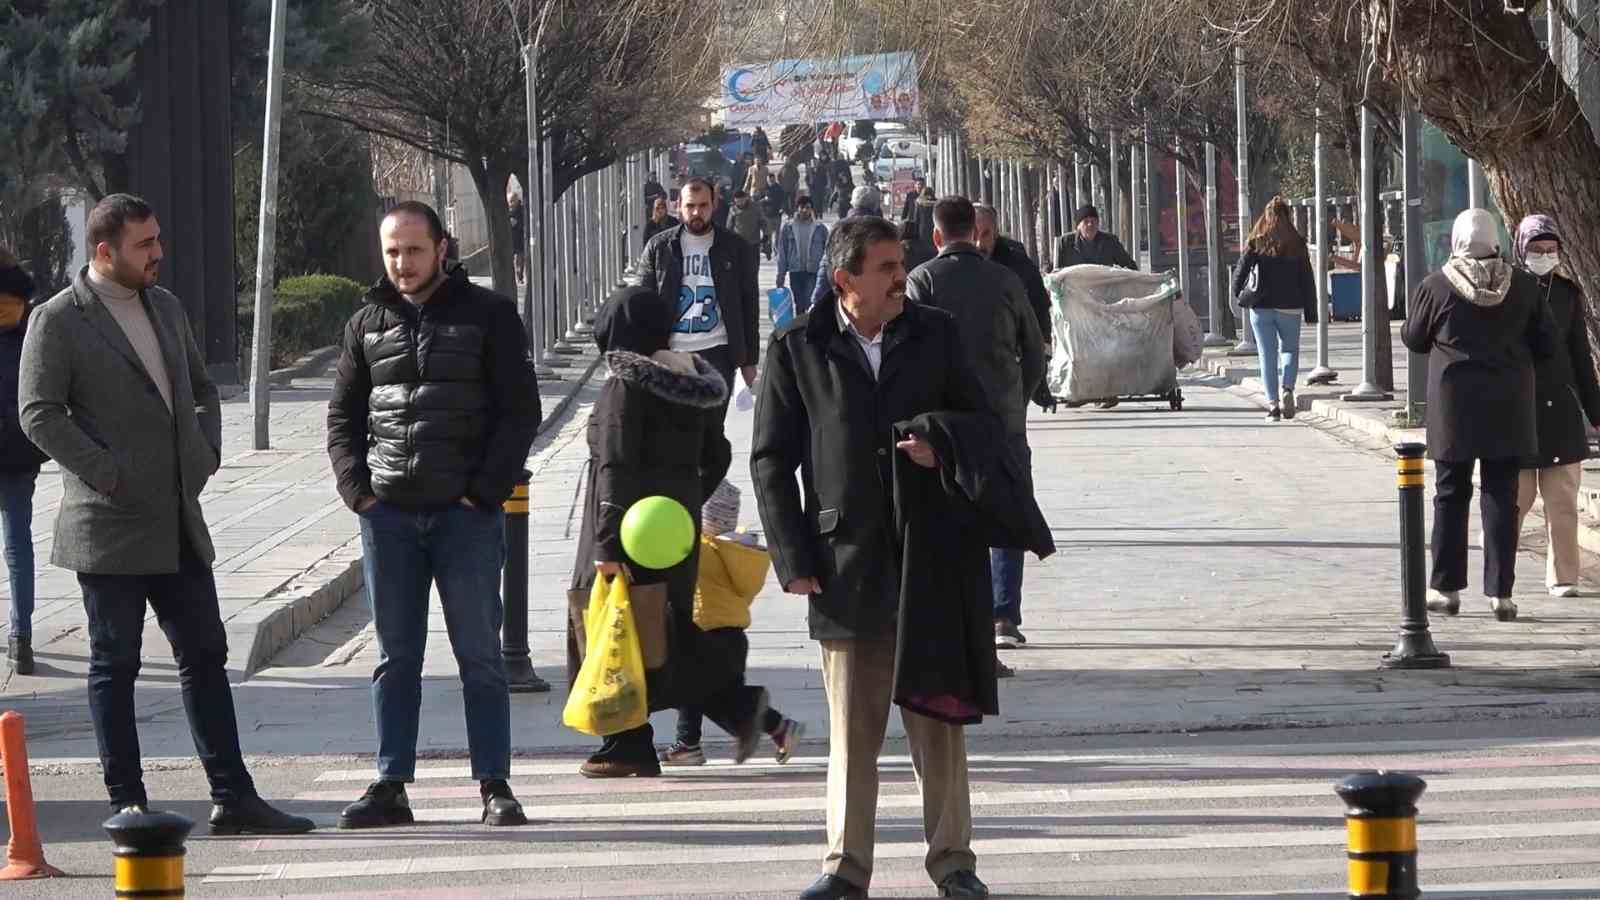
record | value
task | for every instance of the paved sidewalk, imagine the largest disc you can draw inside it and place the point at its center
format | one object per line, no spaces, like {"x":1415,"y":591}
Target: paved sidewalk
{"x":288,"y":553}
{"x":1377,"y":421}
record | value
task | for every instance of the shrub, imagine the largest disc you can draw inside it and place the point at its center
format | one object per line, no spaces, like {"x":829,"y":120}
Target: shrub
{"x":308,"y":312}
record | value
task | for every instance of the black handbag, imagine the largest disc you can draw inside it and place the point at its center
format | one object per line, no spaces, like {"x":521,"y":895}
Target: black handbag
{"x":1247,"y":297}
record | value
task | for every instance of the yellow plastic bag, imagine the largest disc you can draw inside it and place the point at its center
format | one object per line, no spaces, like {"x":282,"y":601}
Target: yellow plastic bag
{"x":609,"y":695}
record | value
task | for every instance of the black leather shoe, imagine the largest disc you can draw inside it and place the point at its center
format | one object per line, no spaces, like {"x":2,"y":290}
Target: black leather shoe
{"x":384,"y":804}
{"x":20,"y":650}
{"x":499,"y":806}
{"x":962,"y":884}
{"x":832,"y":887}
{"x":254,"y":816}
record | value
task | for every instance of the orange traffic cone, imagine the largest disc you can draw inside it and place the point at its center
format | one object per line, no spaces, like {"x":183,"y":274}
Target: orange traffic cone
{"x":24,"y":854}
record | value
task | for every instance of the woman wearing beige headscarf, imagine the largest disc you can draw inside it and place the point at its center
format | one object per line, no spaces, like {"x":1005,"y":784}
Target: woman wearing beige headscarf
{"x":1482,"y":323}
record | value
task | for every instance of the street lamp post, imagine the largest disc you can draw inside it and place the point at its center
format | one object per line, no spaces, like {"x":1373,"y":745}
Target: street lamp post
{"x":1323,"y":373}
{"x":267,"y":242}
{"x":1374,"y":312}
{"x":1247,"y":342}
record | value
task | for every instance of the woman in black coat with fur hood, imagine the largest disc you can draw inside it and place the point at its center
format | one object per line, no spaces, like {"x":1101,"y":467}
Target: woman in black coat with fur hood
{"x":654,"y":432}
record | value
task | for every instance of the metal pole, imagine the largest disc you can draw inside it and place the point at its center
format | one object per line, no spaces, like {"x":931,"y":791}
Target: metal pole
{"x":267,"y":241}
{"x":1063,"y":204}
{"x":1215,"y":281}
{"x":1475,"y":184}
{"x":1415,"y":648}
{"x":1078,"y":197}
{"x":1113,"y":209}
{"x":1095,"y":195}
{"x":538,"y":210}
{"x":1185,"y":282}
{"x":1323,"y":373}
{"x":1135,"y":217}
{"x":1411,"y":213}
{"x":1241,"y":172}
{"x":1153,"y":220}
{"x":1374,"y":312}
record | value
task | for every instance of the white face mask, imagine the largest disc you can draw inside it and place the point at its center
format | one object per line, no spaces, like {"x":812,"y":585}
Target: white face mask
{"x":1542,"y":264}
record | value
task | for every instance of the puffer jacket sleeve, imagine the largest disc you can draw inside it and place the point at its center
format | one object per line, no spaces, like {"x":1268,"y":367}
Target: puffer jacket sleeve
{"x":347,"y":419}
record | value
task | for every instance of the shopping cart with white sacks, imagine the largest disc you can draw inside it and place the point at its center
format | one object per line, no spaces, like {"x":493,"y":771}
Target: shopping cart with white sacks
{"x":1120,"y":335}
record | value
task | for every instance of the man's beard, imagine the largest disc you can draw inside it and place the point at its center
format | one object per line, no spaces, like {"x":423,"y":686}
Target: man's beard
{"x":697,"y":226}
{"x":134,"y":278}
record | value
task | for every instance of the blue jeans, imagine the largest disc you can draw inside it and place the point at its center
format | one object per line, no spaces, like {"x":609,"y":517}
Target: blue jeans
{"x":1278,"y":345}
{"x":16,"y":521}
{"x":801,"y":285}
{"x":462,"y":550}
{"x":1005,"y":573}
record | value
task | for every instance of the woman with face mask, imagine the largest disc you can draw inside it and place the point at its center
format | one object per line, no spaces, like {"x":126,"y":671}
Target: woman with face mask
{"x":1566,"y":394}
{"x":1482,"y":324}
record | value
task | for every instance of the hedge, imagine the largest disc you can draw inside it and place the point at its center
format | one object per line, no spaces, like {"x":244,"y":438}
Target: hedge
{"x":308,"y":312}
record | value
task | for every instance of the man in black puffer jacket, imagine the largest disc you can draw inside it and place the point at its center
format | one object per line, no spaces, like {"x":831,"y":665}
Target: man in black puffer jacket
{"x":433,"y":412}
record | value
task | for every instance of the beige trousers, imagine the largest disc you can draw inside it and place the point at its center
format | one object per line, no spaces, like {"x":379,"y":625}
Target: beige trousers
{"x":858,"y":676}
{"x":1558,"y":486}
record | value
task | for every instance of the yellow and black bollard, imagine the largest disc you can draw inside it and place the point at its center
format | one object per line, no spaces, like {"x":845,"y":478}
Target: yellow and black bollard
{"x":514,"y":586}
{"x":1381,"y":834}
{"x":149,"y":852}
{"x":1414,"y":649}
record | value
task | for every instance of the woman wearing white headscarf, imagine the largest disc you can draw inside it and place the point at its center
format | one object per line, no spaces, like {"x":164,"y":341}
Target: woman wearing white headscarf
{"x":1482,"y":323}
{"x":1567,"y":394}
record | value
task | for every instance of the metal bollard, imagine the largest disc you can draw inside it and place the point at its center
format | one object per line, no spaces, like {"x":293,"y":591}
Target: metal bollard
{"x":1414,"y":649}
{"x":1381,"y":834}
{"x":514,"y":586}
{"x":149,"y":851}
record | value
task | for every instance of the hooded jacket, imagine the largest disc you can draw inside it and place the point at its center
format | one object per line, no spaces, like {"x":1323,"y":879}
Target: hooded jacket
{"x":731,"y":575}
{"x":433,"y":402}
{"x":1565,"y":389}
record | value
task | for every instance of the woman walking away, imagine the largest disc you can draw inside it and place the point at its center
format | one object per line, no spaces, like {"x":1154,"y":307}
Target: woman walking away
{"x":1482,"y":324}
{"x":660,"y":219}
{"x":19,"y":463}
{"x":1274,"y":282}
{"x":1567,"y":394}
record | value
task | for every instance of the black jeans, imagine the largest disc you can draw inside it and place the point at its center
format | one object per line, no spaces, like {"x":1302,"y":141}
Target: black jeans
{"x":186,"y":607}
{"x":1452,"y":505}
{"x":719,"y":686}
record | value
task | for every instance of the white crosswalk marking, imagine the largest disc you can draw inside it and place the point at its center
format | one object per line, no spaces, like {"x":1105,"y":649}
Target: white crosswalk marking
{"x":1251,"y":821}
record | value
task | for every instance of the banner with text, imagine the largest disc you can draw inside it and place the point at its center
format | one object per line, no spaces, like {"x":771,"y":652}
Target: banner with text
{"x":805,"y":91}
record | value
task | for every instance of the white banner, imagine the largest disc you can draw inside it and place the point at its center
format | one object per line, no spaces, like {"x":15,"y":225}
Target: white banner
{"x":806,"y":91}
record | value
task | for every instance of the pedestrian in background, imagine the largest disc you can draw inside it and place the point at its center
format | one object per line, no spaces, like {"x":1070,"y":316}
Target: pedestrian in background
{"x":865,"y":201}
{"x":843,"y":189}
{"x":1087,"y":244}
{"x":747,"y":220}
{"x":909,"y":209}
{"x":652,"y":190}
{"x":113,"y":387}
{"x":519,"y":233}
{"x":761,"y":145}
{"x":802,"y":244}
{"x":1001,"y":338}
{"x":1567,"y":398}
{"x":1482,"y":324}
{"x":917,"y":249}
{"x":1274,"y":282}
{"x":660,"y":219}
{"x":434,"y":407}
{"x":774,"y":202}
{"x":19,"y":462}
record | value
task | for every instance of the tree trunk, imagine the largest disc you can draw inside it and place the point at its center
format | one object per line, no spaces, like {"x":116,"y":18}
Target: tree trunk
{"x":1480,"y":76}
{"x":491,"y":179}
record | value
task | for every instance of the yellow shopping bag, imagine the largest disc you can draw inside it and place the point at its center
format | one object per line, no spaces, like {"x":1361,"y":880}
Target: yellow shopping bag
{"x":609,"y":695}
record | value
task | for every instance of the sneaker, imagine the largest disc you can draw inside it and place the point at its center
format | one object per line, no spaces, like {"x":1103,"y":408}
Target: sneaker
{"x":382,"y":806}
{"x":1565,"y":591}
{"x":1107,"y":404}
{"x":1274,"y":413}
{"x":1447,"y":602}
{"x":1503,"y":608}
{"x":1288,"y":404}
{"x":681,"y":754}
{"x":1001,"y":670}
{"x":500,"y":807}
{"x":749,"y":737}
{"x":20,"y":650}
{"x":786,"y":739}
{"x":1007,"y":636}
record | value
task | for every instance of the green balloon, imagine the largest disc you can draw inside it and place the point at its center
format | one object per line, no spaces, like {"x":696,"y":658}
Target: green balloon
{"x":657,"y":533}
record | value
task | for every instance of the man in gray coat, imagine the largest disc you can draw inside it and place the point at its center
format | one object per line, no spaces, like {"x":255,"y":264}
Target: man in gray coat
{"x":1001,"y":335}
{"x":114,"y":389}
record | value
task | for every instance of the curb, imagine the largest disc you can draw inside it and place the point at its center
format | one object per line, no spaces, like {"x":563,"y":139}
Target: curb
{"x":306,"y":365}
{"x":271,"y":624}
